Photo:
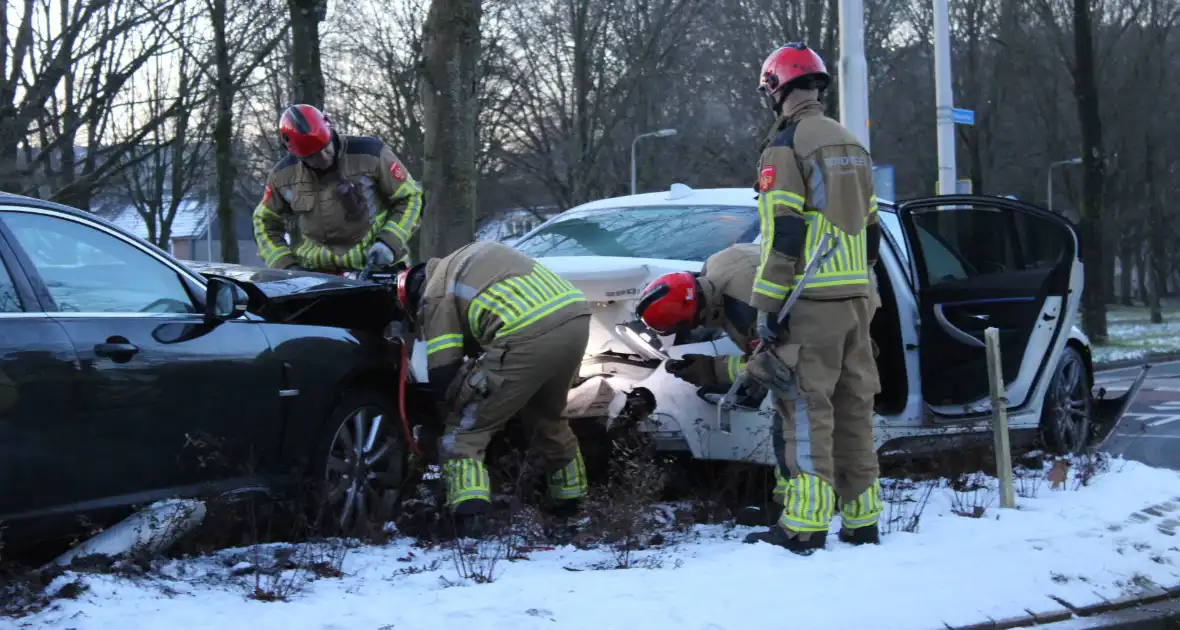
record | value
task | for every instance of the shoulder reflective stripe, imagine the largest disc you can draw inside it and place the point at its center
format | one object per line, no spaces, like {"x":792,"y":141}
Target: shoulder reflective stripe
{"x":444,"y":342}
{"x":521,"y":300}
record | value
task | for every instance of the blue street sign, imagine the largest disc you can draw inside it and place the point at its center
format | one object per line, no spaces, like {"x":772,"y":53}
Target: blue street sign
{"x":883,"y":181}
{"x":962,"y":116}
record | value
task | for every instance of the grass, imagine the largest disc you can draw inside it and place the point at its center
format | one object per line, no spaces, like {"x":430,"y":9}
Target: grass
{"x":1133,"y":336}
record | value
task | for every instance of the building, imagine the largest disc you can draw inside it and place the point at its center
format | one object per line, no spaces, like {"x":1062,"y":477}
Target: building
{"x":195,"y":220}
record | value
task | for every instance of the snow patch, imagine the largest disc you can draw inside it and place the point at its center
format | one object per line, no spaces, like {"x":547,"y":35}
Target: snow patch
{"x":1077,"y":545}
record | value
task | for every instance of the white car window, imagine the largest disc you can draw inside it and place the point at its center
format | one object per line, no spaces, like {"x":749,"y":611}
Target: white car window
{"x":691,"y":233}
{"x":892,"y":226}
{"x":89,"y":271}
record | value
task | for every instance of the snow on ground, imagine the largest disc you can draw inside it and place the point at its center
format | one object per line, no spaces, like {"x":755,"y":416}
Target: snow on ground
{"x":1077,"y":544}
{"x":1133,"y":336}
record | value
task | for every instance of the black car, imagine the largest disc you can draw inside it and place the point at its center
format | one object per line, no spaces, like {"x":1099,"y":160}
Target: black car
{"x":127,"y":376}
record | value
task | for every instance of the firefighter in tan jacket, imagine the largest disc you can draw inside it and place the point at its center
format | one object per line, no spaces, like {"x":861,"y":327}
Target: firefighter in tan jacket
{"x":815,"y":178}
{"x":350,"y":196}
{"x":716,"y":297}
{"x":525,"y":330}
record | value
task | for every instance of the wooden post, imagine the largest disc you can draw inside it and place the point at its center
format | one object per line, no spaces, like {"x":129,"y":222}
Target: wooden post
{"x":995,"y":373}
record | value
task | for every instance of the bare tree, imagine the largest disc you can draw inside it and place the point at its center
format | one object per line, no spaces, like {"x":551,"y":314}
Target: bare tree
{"x":451,"y":44}
{"x":307,"y":83}
{"x":172,"y":165}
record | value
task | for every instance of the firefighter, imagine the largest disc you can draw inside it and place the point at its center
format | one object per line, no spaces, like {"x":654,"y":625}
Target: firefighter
{"x":815,"y":178}
{"x":716,"y":297}
{"x":525,"y":330}
{"x":350,"y":196}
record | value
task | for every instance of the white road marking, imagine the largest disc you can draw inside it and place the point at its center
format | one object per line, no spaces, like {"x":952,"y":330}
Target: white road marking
{"x":1153,"y":419}
{"x":1147,"y":435}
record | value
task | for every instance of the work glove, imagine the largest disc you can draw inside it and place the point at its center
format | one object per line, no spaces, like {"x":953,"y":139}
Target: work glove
{"x":381,"y":255}
{"x":767,"y":335}
{"x":771,"y":372}
{"x":695,"y":368}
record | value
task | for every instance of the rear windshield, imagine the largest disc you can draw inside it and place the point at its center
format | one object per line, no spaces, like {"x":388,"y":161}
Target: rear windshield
{"x":667,"y":232}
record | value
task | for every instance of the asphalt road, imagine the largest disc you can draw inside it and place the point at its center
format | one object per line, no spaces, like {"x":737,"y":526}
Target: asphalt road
{"x":1150,"y":430}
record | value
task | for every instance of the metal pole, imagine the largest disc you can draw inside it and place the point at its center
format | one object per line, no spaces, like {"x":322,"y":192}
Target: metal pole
{"x":854,"y":75}
{"x":1049,"y":187}
{"x":944,"y":98}
{"x":633,"y":142}
{"x":662,"y":133}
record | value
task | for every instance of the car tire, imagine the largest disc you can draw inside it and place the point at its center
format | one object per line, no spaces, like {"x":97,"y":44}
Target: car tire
{"x":358,"y":493}
{"x":1067,"y":417}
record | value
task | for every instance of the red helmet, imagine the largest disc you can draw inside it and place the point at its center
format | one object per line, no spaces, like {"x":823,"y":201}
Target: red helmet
{"x":304,"y":130}
{"x":793,"y":61}
{"x":670,"y":303}
{"x":409,"y":283}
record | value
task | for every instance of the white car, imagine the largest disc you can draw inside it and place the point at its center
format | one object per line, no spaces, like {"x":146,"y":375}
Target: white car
{"x":959,"y":264}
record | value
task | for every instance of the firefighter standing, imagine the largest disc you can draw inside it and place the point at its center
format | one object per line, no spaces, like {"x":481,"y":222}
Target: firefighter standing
{"x":531,"y":327}
{"x":815,"y":178}
{"x":350,"y":196}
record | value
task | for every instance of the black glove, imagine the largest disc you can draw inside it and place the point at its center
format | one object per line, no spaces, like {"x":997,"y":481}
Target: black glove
{"x":697,"y":369}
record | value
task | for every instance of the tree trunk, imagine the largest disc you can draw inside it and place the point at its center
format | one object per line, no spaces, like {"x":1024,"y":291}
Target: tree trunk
{"x":1093,"y":173}
{"x":1155,"y":227}
{"x":223,"y":137}
{"x":451,"y":45}
{"x":307,"y":74}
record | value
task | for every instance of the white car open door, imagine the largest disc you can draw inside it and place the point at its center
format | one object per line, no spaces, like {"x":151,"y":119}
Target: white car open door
{"x":978,"y":262}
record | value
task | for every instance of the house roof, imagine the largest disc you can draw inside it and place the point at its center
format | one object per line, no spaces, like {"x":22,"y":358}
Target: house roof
{"x":189,"y":221}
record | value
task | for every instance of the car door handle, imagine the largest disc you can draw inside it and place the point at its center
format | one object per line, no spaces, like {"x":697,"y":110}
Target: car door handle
{"x":115,"y":349}
{"x":979,"y":316}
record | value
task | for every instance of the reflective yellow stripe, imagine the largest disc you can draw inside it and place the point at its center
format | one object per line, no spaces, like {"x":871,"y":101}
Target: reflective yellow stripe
{"x":734,"y":366}
{"x":269,"y":251}
{"x":809,"y":505}
{"x":467,"y":480}
{"x":443,"y":342}
{"x":766,"y":203}
{"x":570,"y":481}
{"x":850,"y":264}
{"x":865,"y":510}
{"x":403,"y":228}
{"x":520,"y":301}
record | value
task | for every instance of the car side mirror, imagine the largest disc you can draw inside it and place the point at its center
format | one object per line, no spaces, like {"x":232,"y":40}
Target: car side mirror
{"x":224,"y":300}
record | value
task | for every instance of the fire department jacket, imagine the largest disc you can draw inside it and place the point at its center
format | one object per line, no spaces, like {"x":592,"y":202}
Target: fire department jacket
{"x":814,"y":178}
{"x":367,"y":196}
{"x":726,"y":280}
{"x":485,"y":297}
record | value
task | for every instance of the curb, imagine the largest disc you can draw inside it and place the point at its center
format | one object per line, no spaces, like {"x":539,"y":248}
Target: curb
{"x":1151,"y":357}
{"x":1158,"y":610}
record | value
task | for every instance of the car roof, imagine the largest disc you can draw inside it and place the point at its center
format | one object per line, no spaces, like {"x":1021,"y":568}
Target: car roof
{"x":10,"y":199}
{"x":680,"y":194}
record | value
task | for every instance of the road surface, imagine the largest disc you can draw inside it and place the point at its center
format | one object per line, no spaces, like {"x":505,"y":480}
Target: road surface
{"x":1150,"y":430}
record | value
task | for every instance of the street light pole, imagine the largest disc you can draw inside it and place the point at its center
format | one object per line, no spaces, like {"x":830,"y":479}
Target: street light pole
{"x":1049,"y":179}
{"x":944,"y":99}
{"x":854,"y":75}
{"x":663,"y":133}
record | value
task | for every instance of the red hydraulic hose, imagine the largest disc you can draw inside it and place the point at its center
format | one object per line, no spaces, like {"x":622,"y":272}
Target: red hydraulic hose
{"x":401,"y":400}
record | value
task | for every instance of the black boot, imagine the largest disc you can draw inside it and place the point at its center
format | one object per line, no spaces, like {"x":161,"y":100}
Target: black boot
{"x":563,"y":509}
{"x":868,"y":535}
{"x":471,"y":518}
{"x":778,"y":536}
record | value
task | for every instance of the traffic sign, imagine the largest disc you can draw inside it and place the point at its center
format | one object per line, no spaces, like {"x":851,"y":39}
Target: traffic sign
{"x":962,"y":187}
{"x":962,"y":116}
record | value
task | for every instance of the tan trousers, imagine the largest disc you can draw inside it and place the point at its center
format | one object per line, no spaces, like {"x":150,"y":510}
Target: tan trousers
{"x":530,"y":375}
{"x":824,"y":447}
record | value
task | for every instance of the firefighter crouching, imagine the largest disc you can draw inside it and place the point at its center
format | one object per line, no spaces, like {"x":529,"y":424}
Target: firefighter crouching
{"x":716,"y":297}
{"x":526,"y":330}
{"x":815,"y":178}
{"x":352,"y":199}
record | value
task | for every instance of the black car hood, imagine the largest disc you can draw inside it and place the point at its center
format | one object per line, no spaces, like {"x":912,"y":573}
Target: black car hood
{"x":304,"y":297}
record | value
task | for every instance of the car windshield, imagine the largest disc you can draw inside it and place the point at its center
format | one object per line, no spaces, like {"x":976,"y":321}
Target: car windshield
{"x":665,"y":232}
